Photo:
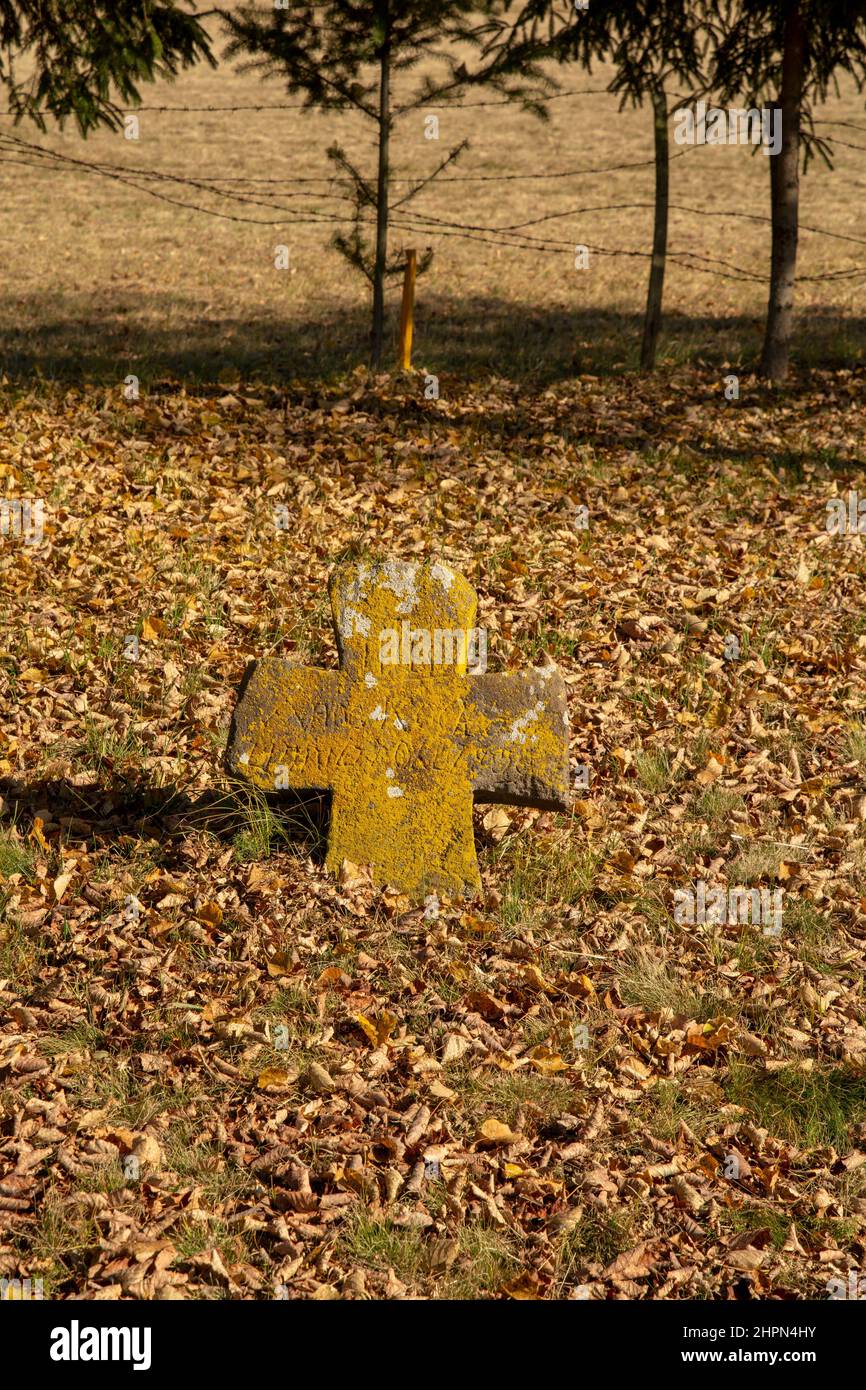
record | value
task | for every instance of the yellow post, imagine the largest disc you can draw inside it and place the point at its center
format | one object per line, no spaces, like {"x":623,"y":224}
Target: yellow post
{"x":407,"y":311}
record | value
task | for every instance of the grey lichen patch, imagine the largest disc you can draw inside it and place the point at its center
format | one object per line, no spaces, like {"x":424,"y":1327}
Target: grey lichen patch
{"x":443,"y":574}
{"x":517,"y":733}
{"x":353,"y":623}
{"x":401,"y":577}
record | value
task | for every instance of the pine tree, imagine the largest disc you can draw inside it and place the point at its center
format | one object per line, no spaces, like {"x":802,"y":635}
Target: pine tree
{"x":345,"y":55}
{"x":83,"y":56}
{"x":650,"y":43}
{"x":788,"y":53}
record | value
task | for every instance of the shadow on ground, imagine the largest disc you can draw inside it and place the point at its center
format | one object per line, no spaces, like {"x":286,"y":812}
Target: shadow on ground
{"x":67,"y":340}
{"x":104,"y":816}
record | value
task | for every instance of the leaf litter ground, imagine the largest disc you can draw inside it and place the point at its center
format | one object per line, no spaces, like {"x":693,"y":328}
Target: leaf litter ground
{"x":224,"y":1075}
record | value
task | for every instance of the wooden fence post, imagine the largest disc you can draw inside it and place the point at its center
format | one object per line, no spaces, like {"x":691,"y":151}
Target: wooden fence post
{"x":407,"y":311}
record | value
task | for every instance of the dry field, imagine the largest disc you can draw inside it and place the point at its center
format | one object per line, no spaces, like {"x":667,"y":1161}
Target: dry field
{"x":102,"y":279}
{"x":224,"y":1074}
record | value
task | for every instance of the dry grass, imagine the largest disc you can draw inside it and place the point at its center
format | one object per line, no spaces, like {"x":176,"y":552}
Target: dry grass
{"x":102,"y":279}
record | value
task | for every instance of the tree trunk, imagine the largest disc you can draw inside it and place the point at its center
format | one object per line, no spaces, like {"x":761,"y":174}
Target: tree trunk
{"x":382,"y":200}
{"x":653,"y":317}
{"x":785,"y":194}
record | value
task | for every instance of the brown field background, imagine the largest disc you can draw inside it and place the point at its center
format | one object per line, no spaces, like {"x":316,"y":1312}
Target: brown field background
{"x":102,"y":278}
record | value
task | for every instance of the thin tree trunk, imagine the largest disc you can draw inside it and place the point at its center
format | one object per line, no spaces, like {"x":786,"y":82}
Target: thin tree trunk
{"x":653,"y":317}
{"x":785,"y":196}
{"x":381,"y":202}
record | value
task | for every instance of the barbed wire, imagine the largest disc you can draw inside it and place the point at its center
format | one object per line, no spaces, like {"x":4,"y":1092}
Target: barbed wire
{"x":528,"y":241}
{"x":415,"y":224}
{"x":539,"y":244}
{"x":336,"y":107}
{"x":673,"y":207}
{"x":203,"y":179}
{"x":559,"y":173}
{"x":513,"y":236}
{"x":327,"y":106}
{"x":122,"y":174}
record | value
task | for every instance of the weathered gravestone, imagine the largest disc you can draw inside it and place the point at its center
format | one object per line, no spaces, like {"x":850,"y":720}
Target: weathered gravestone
{"x":406,"y":733}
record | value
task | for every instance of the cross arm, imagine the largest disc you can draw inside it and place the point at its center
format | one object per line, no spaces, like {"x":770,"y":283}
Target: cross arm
{"x":520,"y":735}
{"x":285,"y":728}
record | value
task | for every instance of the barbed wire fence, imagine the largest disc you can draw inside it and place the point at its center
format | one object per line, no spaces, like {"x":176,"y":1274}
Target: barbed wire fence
{"x":276,"y":194}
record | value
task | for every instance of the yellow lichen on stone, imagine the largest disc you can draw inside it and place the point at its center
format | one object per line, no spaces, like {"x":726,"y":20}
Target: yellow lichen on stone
{"x":403,"y":741}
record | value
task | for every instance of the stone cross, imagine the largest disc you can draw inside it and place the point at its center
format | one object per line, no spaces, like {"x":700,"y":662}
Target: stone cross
{"x":408,"y":732}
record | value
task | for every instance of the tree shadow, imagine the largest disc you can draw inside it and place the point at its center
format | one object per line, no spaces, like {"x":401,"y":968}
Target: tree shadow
{"x":511,"y":340}
{"x":105,"y":816}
